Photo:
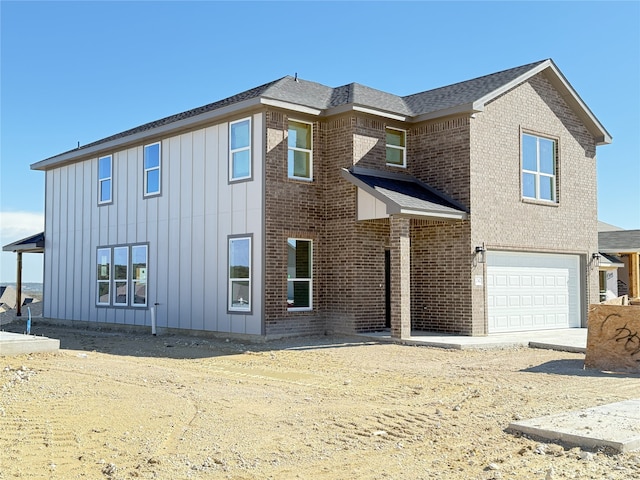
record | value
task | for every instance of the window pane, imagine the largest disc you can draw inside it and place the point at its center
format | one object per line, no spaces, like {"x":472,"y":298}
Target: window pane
{"x":239,"y":258}
{"x":547,"y":156}
{"x":240,"y":294}
{"x":105,"y":190}
{"x":140,"y":293}
{"x":394,"y":156}
{"x":121,"y":293}
{"x":240,"y":134}
{"x":104,"y":263}
{"x":299,"y":259}
{"x":300,"y":135}
{"x":104,"y":167}
{"x":241,"y":162}
{"x":153,"y":181}
{"x":152,"y":156}
{"x":546,"y":188}
{"x":120,"y":263}
{"x":529,"y":185}
{"x":529,"y":153}
{"x":103,"y":292}
{"x":299,"y":294}
{"x":299,"y":164}
{"x":139,"y":262}
{"x":395,"y":137}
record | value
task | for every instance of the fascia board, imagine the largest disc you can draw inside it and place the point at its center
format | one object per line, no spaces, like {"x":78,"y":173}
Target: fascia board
{"x":137,"y":138}
{"x":469,"y":108}
{"x":372,"y":111}
{"x":290,"y":106}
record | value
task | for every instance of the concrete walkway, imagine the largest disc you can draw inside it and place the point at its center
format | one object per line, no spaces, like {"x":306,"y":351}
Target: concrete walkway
{"x":568,"y":340}
{"x":17,"y":344}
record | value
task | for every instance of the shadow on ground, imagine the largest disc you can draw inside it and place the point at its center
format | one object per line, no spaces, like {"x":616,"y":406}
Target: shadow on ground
{"x":575,"y":367}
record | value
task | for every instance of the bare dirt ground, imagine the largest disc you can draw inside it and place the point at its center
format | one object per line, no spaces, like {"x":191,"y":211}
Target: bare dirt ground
{"x":121,"y":406}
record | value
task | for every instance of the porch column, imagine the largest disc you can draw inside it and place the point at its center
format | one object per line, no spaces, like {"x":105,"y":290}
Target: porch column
{"x":19,"y":286}
{"x":400,"y":243}
{"x":634,"y":275}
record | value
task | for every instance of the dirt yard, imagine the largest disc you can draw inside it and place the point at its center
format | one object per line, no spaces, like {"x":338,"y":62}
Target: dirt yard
{"x":122,"y":406}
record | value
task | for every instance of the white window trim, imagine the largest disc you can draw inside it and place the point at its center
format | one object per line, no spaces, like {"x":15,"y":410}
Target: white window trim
{"x":115,"y":280}
{"x":135,"y":282}
{"x":147,"y":170}
{"x":396,"y":147}
{"x":297,"y":149}
{"x":105,"y":179}
{"x":241,"y":149}
{"x":98,"y":281}
{"x":309,"y":280}
{"x":537,"y":174}
{"x":231,"y":280}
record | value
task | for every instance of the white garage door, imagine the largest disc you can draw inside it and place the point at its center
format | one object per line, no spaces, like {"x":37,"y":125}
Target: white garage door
{"x":532,"y":291}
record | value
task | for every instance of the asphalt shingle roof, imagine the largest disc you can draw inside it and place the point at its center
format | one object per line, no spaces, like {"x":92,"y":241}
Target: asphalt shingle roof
{"x":619,"y":241}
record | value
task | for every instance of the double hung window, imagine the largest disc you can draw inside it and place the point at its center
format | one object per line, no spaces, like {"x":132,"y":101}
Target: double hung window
{"x":152,"y":169}
{"x":122,"y":276}
{"x":300,"y":150}
{"x":105,"y":175}
{"x":396,"y":147}
{"x":239,"y":274}
{"x":299,"y":274}
{"x":240,"y":150}
{"x":539,"y":159}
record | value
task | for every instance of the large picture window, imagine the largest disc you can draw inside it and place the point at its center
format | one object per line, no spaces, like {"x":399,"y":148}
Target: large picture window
{"x":122,"y":276}
{"x":396,"y":147}
{"x":539,"y":168}
{"x":300,"y":150}
{"x":105,"y":175}
{"x":152,"y":169}
{"x":240,"y":150}
{"x":239,"y":274}
{"x":299,"y":274}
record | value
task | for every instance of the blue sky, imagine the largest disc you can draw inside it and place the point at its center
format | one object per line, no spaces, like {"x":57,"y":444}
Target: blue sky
{"x":80,"y":71}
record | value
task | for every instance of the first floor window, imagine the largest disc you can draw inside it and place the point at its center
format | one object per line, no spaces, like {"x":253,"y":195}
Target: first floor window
{"x":240,"y":150}
{"x":104,"y":179}
{"x":299,"y":153}
{"x":122,"y":276}
{"x":299,"y":274}
{"x":104,"y":276}
{"x":152,"y":164}
{"x":396,"y":147}
{"x":538,"y":168}
{"x":240,"y":274}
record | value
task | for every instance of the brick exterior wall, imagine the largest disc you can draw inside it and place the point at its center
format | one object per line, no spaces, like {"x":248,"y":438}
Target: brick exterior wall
{"x":475,"y":161}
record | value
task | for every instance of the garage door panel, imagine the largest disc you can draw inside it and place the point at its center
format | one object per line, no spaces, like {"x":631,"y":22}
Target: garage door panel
{"x":527,"y":291}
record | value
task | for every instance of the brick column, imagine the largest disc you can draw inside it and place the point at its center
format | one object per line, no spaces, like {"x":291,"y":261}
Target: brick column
{"x":400,"y":242}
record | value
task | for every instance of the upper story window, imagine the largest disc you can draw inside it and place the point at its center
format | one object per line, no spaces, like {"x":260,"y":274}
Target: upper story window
{"x":396,"y":147}
{"x":240,"y":150}
{"x":105,"y":174}
{"x":299,"y":274}
{"x":539,"y":168}
{"x":300,"y":157}
{"x":152,"y":169}
{"x":239,"y":274}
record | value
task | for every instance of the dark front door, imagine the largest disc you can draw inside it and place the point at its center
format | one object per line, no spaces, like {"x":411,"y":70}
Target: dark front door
{"x":387,"y":288}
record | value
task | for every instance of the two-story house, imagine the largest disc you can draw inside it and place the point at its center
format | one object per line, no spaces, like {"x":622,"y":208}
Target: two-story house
{"x":296,"y":208}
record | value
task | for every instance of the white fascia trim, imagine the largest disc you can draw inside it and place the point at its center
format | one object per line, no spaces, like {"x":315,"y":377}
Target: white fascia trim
{"x":140,"y":137}
{"x":290,"y":106}
{"x":469,"y":108}
{"x":371,"y":111}
{"x":428,"y":214}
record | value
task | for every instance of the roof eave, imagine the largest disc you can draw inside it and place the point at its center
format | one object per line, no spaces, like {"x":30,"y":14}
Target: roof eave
{"x":469,"y":108}
{"x":352,"y":107}
{"x":137,"y":138}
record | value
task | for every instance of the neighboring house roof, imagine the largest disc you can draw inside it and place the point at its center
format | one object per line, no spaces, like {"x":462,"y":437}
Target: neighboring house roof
{"x":34,"y":243}
{"x":608,"y":261}
{"x":313,"y":98}
{"x":405,"y":194}
{"x":607,"y":227}
{"x":621,"y":241}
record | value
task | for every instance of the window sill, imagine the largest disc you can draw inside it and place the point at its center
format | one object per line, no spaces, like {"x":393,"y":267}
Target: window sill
{"x":544,"y":203}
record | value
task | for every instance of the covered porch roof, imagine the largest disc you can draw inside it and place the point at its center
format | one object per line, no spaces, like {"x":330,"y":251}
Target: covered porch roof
{"x":32,"y":244}
{"x":381,"y":194}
